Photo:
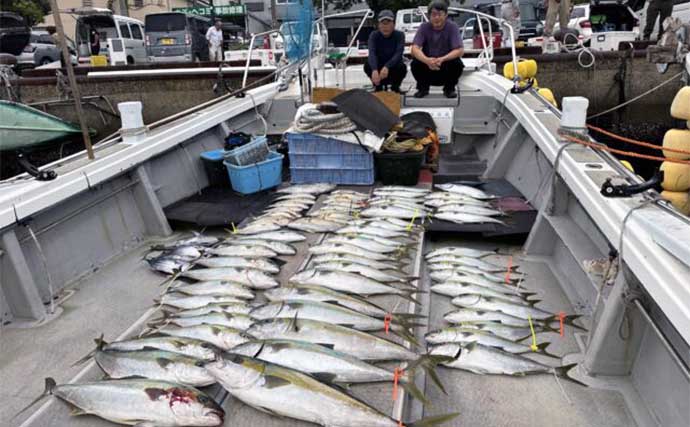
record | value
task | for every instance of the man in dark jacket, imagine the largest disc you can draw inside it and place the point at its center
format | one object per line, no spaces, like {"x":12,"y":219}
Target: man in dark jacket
{"x":436,"y":50}
{"x":385,"y":65}
{"x":657,"y":8}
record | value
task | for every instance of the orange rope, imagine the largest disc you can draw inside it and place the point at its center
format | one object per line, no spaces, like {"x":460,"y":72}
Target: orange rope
{"x":621,"y":152}
{"x":635,"y":142}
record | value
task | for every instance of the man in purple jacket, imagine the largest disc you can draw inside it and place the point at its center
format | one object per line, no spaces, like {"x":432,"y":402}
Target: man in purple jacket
{"x":436,"y":50}
{"x":385,"y":64}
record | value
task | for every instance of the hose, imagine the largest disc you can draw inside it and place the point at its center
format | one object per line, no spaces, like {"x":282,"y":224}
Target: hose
{"x":309,"y":119}
{"x":580,"y":49}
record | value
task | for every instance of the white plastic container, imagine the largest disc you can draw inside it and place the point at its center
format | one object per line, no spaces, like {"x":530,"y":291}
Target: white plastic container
{"x":132,"y":121}
{"x":574,"y":116}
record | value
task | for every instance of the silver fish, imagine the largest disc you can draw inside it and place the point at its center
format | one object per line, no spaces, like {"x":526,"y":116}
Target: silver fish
{"x":155,"y":365}
{"x":222,"y":337}
{"x":457,"y":289}
{"x":297,"y":196}
{"x":521,"y":310}
{"x":308,"y":188}
{"x":265,"y":385}
{"x":230,"y":308}
{"x":246,"y":250}
{"x":463,"y":218}
{"x":366,"y":244}
{"x":347,"y":258}
{"x":439,"y":202}
{"x":240,"y":262}
{"x":356,"y":343}
{"x":181,"y":345}
{"x":140,"y":402}
{"x":169,"y":265}
{"x":214,"y":287}
{"x":392,"y":212}
{"x":371,"y":231}
{"x":371,"y":273}
{"x":513,"y":333}
{"x":235,"y":321}
{"x":471,"y":262}
{"x":469,"y":315}
{"x":484,"y":360}
{"x":314,"y":225}
{"x":342,"y":248}
{"x":472,"y":210}
{"x":458,"y":251}
{"x":279,"y":248}
{"x":319,"y":293}
{"x":186,"y":302}
{"x":464,"y":336}
{"x":346,"y":282}
{"x":253,"y":278}
{"x":196,"y":240}
{"x":255,"y":228}
{"x":465,"y":190}
{"x":284,"y":236}
{"x":462,"y":273}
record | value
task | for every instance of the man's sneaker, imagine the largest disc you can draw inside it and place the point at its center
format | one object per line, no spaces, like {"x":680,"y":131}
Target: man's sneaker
{"x":421,"y":93}
{"x":450,"y":93}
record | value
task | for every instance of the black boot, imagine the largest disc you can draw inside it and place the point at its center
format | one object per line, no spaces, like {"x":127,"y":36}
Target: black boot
{"x":449,"y":92}
{"x":421,"y":92}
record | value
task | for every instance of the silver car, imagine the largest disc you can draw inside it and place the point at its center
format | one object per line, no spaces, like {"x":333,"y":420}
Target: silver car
{"x":41,"y":50}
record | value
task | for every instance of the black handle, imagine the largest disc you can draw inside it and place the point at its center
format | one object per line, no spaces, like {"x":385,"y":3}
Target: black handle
{"x":623,"y":190}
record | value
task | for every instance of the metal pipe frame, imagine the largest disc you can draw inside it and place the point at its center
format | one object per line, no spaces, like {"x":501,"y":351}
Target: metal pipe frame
{"x":251,"y":47}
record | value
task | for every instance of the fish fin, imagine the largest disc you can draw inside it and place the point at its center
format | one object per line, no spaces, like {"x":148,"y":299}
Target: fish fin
{"x":76,"y":411}
{"x":406,"y":335}
{"x":541,"y":348}
{"x":155,"y":393}
{"x":408,"y":296}
{"x":293,"y":323}
{"x":411,"y":388}
{"x":409,"y":316}
{"x":261,"y":348}
{"x":275,"y":382}
{"x":567,"y":320}
{"x":163,"y":362}
{"x":433,"y":421}
{"x":562,"y":371}
{"x":278,"y":262}
{"x":50,"y":386}
{"x":429,"y":363}
{"x":328,"y":346}
{"x":324,"y":377}
{"x":100,"y":343}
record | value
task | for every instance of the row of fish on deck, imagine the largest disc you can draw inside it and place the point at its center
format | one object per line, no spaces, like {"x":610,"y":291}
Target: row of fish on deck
{"x":226,"y":319}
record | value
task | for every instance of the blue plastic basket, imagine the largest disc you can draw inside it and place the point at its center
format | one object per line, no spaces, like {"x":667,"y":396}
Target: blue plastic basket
{"x":256,"y":177}
{"x":253,"y":152}
{"x":317,"y":159}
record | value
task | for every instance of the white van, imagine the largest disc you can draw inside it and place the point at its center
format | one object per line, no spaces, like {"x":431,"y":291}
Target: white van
{"x":681,"y":10}
{"x":109,"y":26}
{"x":408,"y":21}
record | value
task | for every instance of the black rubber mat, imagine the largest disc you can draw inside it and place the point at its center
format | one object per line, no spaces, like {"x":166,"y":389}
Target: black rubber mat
{"x":218,"y":207}
{"x":520,"y":218}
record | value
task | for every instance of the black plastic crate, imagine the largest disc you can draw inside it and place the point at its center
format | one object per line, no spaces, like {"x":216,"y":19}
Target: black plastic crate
{"x":399,"y":168}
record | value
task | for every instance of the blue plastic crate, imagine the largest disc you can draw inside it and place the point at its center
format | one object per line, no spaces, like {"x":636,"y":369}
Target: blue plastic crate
{"x":256,"y":177}
{"x":317,"y":159}
{"x":248,"y":154}
{"x":332,"y":176}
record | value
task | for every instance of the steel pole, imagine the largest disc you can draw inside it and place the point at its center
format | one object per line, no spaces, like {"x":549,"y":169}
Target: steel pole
{"x":72,"y":79}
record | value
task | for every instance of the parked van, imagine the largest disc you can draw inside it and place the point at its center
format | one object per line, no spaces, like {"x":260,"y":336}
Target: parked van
{"x":108,"y":26}
{"x":408,"y":21}
{"x":176,"y":37}
{"x":681,"y":10}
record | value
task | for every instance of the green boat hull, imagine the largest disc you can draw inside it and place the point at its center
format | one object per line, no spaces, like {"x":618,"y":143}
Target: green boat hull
{"x":24,"y":127}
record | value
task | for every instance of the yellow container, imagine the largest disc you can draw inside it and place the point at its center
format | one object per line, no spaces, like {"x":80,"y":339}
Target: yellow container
{"x":677,"y":139}
{"x":548,"y":95}
{"x":99,"y":61}
{"x":676,"y":176}
{"x":679,"y":199}
{"x":680,"y":107}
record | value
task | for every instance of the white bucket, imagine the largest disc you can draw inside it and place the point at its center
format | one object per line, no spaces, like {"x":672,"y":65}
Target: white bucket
{"x":574,"y":114}
{"x":132,"y":120}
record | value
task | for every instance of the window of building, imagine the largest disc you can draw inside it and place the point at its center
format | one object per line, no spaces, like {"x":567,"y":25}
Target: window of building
{"x":87,"y":3}
{"x":254,"y":7}
{"x":138,"y":3}
{"x":286,"y":1}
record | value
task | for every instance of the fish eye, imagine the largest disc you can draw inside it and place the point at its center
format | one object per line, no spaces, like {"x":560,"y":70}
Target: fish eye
{"x":205,"y":345}
{"x":199,"y":364}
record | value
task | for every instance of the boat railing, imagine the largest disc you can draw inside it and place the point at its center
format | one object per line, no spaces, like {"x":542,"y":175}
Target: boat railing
{"x":251,"y":48}
{"x":487,"y":50}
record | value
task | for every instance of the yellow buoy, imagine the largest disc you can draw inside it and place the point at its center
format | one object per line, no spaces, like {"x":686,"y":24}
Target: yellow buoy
{"x":680,"y":107}
{"x":679,"y":199}
{"x":677,"y":139}
{"x":530,"y":68}
{"x":628,"y":166}
{"x":548,"y":95}
{"x":535,"y":83}
{"x":508,"y":71}
{"x":676,"y":176}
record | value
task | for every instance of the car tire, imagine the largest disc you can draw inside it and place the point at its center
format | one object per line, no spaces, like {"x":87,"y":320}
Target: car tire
{"x":45,"y":61}
{"x":130,"y":60}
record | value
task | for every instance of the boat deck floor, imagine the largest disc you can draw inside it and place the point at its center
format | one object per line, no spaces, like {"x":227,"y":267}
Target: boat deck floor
{"x":106,"y":304}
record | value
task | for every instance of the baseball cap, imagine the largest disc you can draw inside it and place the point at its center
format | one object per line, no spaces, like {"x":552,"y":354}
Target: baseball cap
{"x":386,"y":14}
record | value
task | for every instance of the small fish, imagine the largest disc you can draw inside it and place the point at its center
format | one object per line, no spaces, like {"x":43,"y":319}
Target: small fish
{"x":457,"y":289}
{"x":314,"y":189}
{"x":347,"y":282}
{"x":249,"y":277}
{"x":245,"y":250}
{"x":468,"y":209}
{"x":513,"y":333}
{"x":140,"y":402}
{"x":321,"y":294}
{"x":392,"y":212}
{"x":465,"y":190}
{"x":470,"y":315}
{"x":346,"y":258}
{"x":186,"y":302}
{"x":458,"y":251}
{"x":196,"y":240}
{"x":522,"y":310}
{"x":235,"y":321}
{"x":279,"y":248}
{"x":284,"y":236}
{"x":463,"y":218}
{"x":347,"y":249}
{"x":314,"y":225}
{"x":485,"y":360}
{"x":169,"y":265}
{"x":213,"y":287}
{"x":240,"y":262}
{"x":363,"y":243}
{"x":465,"y":336}
{"x":230,"y":308}
{"x":371,"y":273}
{"x":181,"y":345}
{"x":257,"y":227}
{"x":222,"y":337}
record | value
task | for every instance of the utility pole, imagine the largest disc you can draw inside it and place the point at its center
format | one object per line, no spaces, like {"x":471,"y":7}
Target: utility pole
{"x":274,"y":15}
{"x":72,"y":80}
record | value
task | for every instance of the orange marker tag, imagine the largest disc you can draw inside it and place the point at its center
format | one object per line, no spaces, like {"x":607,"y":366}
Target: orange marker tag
{"x":387,"y":322}
{"x":397,"y":374}
{"x":561,"y":318}
{"x":510,"y":268}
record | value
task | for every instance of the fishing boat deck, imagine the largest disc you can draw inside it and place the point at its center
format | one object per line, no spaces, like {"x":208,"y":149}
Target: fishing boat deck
{"x":481,"y":400}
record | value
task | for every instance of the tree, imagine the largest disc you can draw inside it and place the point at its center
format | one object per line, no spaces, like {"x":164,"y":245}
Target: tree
{"x":378,"y":5}
{"x":32,"y":10}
